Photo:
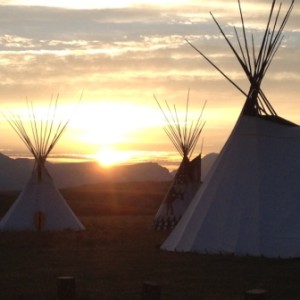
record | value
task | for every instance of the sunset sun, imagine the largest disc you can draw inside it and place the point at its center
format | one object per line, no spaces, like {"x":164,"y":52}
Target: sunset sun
{"x":108,"y":157}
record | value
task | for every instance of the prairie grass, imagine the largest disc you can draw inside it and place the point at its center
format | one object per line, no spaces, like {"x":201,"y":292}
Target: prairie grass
{"x":119,"y":251}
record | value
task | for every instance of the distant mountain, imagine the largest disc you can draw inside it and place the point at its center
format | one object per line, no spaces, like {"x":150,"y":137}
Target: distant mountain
{"x":67,"y":174}
{"x":15,"y":172}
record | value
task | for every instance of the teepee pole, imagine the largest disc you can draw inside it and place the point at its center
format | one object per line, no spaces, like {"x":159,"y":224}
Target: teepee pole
{"x":183,"y":136}
{"x":41,"y":136}
{"x":216,"y":67}
{"x":247,"y":65}
{"x":255,"y":65}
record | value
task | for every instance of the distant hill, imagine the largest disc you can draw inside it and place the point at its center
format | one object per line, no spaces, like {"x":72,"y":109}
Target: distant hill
{"x":74,"y":174}
{"x":15,"y":172}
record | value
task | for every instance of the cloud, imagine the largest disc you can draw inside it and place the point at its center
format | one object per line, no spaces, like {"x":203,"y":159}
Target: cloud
{"x":127,"y":54}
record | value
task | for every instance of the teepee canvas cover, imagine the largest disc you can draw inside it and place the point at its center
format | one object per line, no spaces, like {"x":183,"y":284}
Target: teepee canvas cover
{"x":249,"y":203}
{"x":188,"y":176}
{"x":40,"y":206}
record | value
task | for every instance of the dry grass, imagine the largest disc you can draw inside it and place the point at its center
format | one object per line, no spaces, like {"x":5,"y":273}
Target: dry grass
{"x":119,"y":251}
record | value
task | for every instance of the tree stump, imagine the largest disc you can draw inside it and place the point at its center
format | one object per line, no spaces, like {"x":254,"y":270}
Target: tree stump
{"x":66,"y":288}
{"x":256,"y":294}
{"x":150,"y":291}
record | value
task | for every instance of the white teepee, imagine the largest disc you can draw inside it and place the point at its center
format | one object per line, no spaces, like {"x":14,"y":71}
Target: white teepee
{"x":249,"y":203}
{"x":40,"y":206}
{"x":188,"y":176}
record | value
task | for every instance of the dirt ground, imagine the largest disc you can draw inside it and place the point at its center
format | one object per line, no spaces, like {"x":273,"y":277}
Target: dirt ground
{"x":119,"y":251}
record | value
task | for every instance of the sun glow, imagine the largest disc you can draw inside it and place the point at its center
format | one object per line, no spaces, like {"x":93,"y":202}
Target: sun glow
{"x":106,"y":124}
{"x":108,"y":157}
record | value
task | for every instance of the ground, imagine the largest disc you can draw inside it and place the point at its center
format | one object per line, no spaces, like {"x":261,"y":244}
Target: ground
{"x":119,"y":251}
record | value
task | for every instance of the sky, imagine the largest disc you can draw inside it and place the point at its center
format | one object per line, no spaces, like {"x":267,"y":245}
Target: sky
{"x":105,"y":61}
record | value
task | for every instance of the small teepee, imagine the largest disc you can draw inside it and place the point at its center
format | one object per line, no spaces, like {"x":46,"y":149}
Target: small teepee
{"x":40,"y":206}
{"x":188,"y":176}
{"x":249,"y":203}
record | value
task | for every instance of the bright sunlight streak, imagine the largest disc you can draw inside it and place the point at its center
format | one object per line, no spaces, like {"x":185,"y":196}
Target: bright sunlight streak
{"x":108,"y":157}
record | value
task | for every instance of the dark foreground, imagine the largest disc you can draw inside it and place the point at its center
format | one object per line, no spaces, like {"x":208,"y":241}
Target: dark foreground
{"x":119,"y":251}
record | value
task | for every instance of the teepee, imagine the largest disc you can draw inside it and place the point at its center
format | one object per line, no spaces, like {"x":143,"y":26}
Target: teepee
{"x":40,"y":206}
{"x":249,"y":203}
{"x":187,"y":179}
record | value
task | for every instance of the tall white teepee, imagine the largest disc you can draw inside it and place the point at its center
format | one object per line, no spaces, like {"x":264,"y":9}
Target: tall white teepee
{"x":249,"y":203}
{"x":40,"y":206}
{"x":188,"y":176}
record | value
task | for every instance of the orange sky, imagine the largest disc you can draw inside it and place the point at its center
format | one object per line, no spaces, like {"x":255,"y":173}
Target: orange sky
{"x":119,"y":56}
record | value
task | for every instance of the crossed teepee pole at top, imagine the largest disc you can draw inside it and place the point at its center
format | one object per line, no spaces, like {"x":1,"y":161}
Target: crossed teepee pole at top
{"x":255,"y":63}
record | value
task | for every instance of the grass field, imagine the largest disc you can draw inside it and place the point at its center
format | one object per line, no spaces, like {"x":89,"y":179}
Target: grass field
{"x":119,"y":251}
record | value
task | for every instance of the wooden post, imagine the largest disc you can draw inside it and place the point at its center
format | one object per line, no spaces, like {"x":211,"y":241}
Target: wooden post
{"x":150,"y":291}
{"x":66,"y":288}
{"x":256,"y":294}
